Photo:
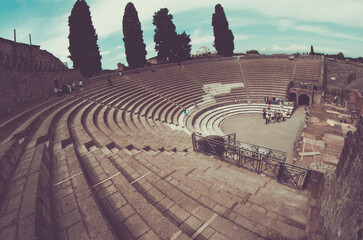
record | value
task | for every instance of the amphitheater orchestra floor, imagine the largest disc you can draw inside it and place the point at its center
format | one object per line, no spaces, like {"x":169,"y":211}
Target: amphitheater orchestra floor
{"x":251,"y":128}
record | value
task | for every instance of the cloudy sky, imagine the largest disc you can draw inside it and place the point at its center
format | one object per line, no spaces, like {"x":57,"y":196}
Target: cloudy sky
{"x":269,"y":26}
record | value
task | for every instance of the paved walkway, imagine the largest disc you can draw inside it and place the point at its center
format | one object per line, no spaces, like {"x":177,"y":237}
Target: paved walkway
{"x":251,"y":128}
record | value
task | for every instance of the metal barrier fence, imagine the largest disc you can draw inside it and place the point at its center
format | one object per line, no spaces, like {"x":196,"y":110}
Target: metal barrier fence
{"x":22,"y":63}
{"x":259,"y":159}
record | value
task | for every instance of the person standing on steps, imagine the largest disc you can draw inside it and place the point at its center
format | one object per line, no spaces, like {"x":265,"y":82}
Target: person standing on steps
{"x":80,"y":86}
{"x":109,"y":80}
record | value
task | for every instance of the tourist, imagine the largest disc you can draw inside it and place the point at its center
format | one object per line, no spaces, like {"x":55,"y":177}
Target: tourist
{"x":64,"y":88}
{"x":283,"y":116}
{"x":80,"y":85}
{"x":264,"y":113}
{"x":305,"y":85}
{"x":336,"y":99}
{"x":301,"y":85}
{"x":306,"y":110}
{"x":185,"y":111}
{"x":235,"y":100}
{"x":266,"y":100}
{"x":109,"y":80}
{"x":69,"y":88}
{"x":74,"y":86}
{"x":279,"y":116}
{"x":195,"y":104}
{"x":58,"y":92}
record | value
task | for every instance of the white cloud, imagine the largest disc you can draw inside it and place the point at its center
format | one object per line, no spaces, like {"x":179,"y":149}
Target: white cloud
{"x":57,"y":46}
{"x":287,"y":24}
{"x":107,"y":16}
{"x":329,"y":50}
{"x":119,"y":58}
{"x":241,"y":37}
{"x":105,"y":53}
{"x":346,"y":12}
{"x":150,"y":47}
{"x":298,"y":48}
{"x":291,"y":48}
{"x":197,"y":38}
{"x":118,"y":47}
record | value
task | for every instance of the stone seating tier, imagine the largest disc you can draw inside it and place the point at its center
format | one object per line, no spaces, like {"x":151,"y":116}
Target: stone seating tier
{"x":116,"y":162}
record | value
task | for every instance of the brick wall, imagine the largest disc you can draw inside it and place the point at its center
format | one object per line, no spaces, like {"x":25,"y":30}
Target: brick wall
{"x":20,"y":87}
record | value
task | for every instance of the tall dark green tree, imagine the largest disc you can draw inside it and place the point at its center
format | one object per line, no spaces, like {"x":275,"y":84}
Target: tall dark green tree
{"x":168,"y":44}
{"x":134,"y":43}
{"x":83,"y":46}
{"x":312,"y":50}
{"x":184,"y":47}
{"x":165,"y":36}
{"x":223,"y":36}
{"x":340,"y":56}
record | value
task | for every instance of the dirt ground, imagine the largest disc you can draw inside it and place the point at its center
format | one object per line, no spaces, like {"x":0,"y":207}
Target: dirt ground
{"x":251,"y":128}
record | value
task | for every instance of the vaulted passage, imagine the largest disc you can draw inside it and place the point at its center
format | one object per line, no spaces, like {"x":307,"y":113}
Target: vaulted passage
{"x":304,"y":99}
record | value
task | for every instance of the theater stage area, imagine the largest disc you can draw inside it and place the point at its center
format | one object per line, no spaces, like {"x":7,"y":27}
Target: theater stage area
{"x":251,"y":128}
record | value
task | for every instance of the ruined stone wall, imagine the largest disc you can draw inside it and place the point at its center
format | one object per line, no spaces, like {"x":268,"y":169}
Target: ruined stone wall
{"x":26,"y":51}
{"x":28,"y":73}
{"x":341,"y":202}
{"x":340,"y":71}
{"x":24,"y":86}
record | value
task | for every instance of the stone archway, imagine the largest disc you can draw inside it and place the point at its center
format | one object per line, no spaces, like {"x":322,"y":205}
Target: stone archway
{"x":304,"y":99}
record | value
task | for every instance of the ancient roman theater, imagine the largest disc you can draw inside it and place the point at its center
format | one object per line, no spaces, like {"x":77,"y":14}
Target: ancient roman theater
{"x":175,"y":151}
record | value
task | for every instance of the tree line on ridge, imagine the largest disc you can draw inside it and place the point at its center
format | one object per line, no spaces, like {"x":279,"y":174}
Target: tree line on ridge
{"x":169,"y":45}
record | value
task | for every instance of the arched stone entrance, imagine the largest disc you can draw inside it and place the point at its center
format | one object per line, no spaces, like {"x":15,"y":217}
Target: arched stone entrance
{"x":304,"y":99}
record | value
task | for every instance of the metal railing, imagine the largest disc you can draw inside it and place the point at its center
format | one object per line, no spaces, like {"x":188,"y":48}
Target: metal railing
{"x":255,"y":158}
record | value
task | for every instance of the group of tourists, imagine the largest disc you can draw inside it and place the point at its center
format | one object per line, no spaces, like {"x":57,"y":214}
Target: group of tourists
{"x":275,"y":100}
{"x":69,"y":88}
{"x":303,"y":85}
{"x":307,"y":110}
{"x":274,"y":115}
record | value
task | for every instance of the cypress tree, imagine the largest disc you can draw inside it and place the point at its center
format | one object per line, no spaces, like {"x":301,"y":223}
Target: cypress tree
{"x":223,"y":36}
{"x":312,"y":50}
{"x":83,"y":46}
{"x":134,"y":43}
{"x":165,"y":36}
{"x":184,"y":47}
